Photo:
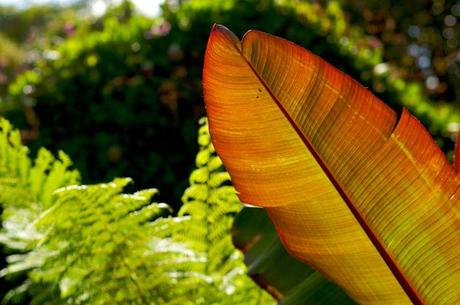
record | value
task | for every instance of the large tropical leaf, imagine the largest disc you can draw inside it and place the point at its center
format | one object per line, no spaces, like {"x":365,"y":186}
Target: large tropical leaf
{"x":362,"y":195}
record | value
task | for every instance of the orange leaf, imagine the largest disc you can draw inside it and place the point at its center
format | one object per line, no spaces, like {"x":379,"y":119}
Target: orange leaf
{"x":457,"y":154}
{"x":363,"y":196}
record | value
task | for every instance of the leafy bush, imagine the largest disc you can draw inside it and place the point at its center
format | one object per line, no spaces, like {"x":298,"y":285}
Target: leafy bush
{"x":113,"y":77}
{"x":25,"y":31}
{"x":421,"y":38}
{"x":10,"y":58}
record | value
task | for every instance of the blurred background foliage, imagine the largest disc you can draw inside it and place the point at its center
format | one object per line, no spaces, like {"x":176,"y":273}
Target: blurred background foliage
{"x":420,"y":37}
{"x":121,"y":92}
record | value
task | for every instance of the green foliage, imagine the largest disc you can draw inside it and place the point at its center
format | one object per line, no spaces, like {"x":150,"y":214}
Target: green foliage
{"x":99,"y":247}
{"x":10,"y":57}
{"x":26,"y":188}
{"x":133,"y":86}
{"x":96,"y":245}
{"x":421,"y":40}
{"x":25,"y":32}
{"x":17,"y":24}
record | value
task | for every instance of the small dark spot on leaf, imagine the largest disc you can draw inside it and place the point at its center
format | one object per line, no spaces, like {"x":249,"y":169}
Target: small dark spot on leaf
{"x":257,"y":96}
{"x":260,"y":90}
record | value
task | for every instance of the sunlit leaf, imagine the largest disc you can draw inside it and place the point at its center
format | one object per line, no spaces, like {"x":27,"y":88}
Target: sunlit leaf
{"x":362,"y":195}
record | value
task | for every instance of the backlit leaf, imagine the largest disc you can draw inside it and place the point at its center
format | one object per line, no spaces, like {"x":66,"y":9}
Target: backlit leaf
{"x":362,"y":195}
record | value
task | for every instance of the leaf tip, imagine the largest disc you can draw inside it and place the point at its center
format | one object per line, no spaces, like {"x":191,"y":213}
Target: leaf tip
{"x":220,"y":30}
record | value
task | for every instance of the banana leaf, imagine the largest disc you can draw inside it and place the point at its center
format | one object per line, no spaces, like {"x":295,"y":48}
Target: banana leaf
{"x":356,"y":190}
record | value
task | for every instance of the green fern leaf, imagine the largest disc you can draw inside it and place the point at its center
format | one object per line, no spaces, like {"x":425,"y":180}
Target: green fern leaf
{"x":96,"y":245}
{"x":209,"y":207}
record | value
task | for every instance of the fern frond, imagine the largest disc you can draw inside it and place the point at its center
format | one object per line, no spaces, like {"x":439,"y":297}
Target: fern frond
{"x":95,"y":245}
{"x":100,"y":249}
{"x":210,"y":205}
{"x":26,"y":186}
